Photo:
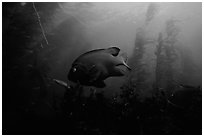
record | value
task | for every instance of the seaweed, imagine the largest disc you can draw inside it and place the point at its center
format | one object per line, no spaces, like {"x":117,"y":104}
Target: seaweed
{"x":34,"y":104}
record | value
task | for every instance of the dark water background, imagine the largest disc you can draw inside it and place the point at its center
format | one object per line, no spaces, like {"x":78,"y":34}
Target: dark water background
{"x":164,"y":45}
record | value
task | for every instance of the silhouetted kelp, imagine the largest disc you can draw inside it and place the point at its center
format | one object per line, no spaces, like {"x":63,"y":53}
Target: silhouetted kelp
{"x":98,"y":115}
{"x":32,"y":106}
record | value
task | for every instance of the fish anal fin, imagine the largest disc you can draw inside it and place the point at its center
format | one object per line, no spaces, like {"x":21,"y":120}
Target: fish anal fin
{"x":113,"y":50}
{"x":119,"y":71}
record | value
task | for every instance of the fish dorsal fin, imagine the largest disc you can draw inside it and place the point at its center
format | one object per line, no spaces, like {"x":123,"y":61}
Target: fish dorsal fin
{"x":113,"y":50}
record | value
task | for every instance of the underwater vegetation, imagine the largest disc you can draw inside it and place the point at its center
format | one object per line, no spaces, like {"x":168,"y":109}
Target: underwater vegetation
{"x":161,"y":95}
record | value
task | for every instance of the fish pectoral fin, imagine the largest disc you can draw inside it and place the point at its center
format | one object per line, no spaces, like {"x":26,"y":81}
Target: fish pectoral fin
{"x":60,"y":82}
{"x":100,"y":84}
{"x":113,"y":50}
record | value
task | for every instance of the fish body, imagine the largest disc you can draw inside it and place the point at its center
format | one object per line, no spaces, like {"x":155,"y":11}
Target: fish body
{"x":93,"y":67}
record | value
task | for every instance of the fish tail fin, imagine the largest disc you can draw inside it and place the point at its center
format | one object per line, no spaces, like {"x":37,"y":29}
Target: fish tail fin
{"x":124,"y":59}
{"x":127,"y":66}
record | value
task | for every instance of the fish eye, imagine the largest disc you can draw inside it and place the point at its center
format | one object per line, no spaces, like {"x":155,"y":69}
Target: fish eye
{"x":74,"y":69}
{"x":172,"y":95}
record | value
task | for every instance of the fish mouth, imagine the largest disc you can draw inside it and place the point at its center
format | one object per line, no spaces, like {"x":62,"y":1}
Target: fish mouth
{"x":71,"y":77}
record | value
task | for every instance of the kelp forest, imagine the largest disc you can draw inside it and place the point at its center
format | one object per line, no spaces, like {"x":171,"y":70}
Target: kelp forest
{"x":161,"y":95}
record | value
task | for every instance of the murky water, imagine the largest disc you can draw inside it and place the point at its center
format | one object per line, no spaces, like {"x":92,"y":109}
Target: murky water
{"x":163,"y":42}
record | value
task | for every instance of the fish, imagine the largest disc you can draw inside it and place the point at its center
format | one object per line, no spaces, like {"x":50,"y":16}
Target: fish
{"x":93,"y":67}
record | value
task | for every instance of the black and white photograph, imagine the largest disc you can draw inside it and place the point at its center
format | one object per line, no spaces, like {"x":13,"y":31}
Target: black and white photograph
{"x":101,"y":68}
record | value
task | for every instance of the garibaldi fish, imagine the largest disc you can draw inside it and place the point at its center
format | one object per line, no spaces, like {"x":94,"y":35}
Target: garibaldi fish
{"x":93,"y":67}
